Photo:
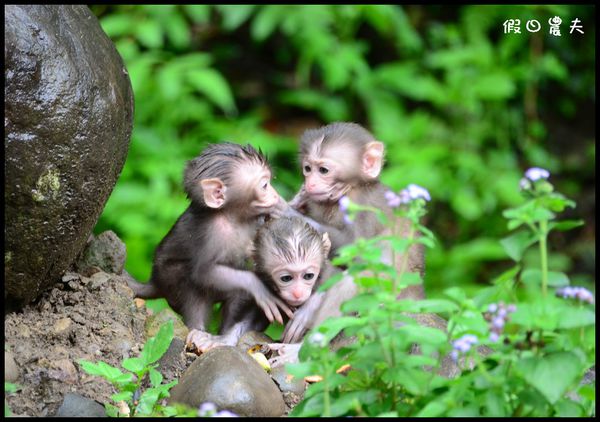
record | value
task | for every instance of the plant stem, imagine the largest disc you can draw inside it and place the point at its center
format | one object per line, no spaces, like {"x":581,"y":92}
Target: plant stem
{"x":544,"y":255}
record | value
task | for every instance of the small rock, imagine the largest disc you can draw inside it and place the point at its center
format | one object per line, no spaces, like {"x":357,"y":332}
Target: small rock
{"x":174,"y":359}
{"x":63,"y":370}
{"x":252,"y":338}
{"x":286,"y":382}
{"x":232,"y":380}
{"x":155,"y":321}
{"x":98,"y":280}
{"x":105,"y":251}
{"x":139,"y":302}
{"x":11,"y":370}
{"x":62,"y":326}
{"x":75,"y":405}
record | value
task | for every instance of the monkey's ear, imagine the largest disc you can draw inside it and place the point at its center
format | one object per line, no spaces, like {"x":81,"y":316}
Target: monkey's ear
{"x":372,"y":159}
{"x":326,"y":243}
{"x":214,"y":192}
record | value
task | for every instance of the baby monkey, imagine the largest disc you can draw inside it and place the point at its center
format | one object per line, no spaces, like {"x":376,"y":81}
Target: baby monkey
{"x":290,"y":257}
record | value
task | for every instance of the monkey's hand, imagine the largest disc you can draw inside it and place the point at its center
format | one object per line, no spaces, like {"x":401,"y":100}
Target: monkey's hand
{"x":203,"y":341}
{"x":269,"y":303}
{"x":287,"y":353}
{"x":280,"y":209}
{"x":303,"y":319}
{"x":300,"y":200}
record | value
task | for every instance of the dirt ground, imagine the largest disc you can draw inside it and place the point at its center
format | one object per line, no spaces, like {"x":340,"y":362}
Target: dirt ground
{"x":93,"y":318}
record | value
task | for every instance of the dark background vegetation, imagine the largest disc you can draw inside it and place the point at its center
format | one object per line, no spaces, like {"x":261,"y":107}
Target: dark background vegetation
{"x":462,"y":107}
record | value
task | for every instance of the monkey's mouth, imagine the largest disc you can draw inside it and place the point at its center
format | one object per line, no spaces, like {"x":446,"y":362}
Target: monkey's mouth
{"x":295,"y":303}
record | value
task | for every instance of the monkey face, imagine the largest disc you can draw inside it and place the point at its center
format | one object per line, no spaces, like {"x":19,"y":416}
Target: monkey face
{"x":295,"y":282}
{"x":254,"y":190}
{"x":326,"y":176}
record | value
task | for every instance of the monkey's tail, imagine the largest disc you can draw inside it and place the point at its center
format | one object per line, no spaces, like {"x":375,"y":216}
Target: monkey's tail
{"x":142,"y":290}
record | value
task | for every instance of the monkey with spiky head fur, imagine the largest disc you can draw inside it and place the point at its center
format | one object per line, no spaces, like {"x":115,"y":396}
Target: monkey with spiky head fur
{"x":290,"y":256}
{"x":205,"y":257}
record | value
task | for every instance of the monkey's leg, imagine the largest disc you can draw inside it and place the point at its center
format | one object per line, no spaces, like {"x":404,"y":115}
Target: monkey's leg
{"x":196,"y":312}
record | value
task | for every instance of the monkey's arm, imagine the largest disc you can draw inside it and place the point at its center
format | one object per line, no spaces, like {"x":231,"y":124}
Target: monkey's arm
{"x":226,"y":279}
{"x":295,"y":328}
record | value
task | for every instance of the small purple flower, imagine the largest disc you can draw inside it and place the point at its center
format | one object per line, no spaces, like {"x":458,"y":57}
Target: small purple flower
{"x":392,"y":199}
{"x":498,"y":322}
{"x":502,"y":312}
{"x":347,"y":219}
{"x":207,"y":409}
{"x":344,"y":202}
{"x":492,"y":308}
{"x":416,"y":192}
{"x":494,"y":337}
{"x":579,"y":293}
{"x":225,"y":414}
{"x":524,"y":184}
{"x":512,"y":308}
{"x":317,"y":339}
{"x":454,"y":355}
{"x":536,"y":173}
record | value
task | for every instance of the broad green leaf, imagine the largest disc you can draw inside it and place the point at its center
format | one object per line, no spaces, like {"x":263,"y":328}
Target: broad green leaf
{"x":156,"y":346}
{"x":155,"y":377}
{"x":495,"y":404}
{"x":104,"y":370}
{"x":111,"y":411}
{"x":212,"y":84}
{"x":575,"y":317}
{"x":266,"y":20}
{"x":422,"y":335}
{"x":147,"y":402}
{"x":533,"y":277}
{"x":551,"y":375}
{"x":235,"y":15}
{"x":149,"y":33}
{"x":433,"y":409}
{"x":568,"y":408}
{"x":494,"y":86}
{"x":117,"y":25}
{"x":200,"y":13}
{"x":122,"y":396}
{"x":133,"y":364}
{"x":517,"y":243}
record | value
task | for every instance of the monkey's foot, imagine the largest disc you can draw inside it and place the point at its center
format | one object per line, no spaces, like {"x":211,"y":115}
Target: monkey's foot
{"x":287,"y":353}
{"x":202,"y":342}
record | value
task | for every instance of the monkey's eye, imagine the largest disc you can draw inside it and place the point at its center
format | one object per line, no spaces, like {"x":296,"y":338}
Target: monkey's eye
{"x":323,"y":170}
{"x":265,"y":185}
{"x":307,"y":169}
{"x":308,"y":276}
{"x":286,"y":278}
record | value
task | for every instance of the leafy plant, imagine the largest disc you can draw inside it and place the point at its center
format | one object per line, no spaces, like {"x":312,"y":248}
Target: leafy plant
{"x":522,"y":351}
{"x":135,"y":397}
{"x":9,"y":388}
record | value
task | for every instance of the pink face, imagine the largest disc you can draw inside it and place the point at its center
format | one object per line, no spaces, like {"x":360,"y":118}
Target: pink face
{"x":295,"y":281}
{"x":256,"y":186}
{"x":325,"y":172}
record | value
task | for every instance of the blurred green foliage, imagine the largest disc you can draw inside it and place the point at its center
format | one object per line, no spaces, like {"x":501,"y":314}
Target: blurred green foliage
{"x":462,"y":107}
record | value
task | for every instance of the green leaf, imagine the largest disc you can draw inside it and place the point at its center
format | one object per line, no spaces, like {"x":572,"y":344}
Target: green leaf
{"x":106,"y":371}
{"x":133,"y":364}
{"x":147,"y":402}
{"x":235,"y":15}
{"x":111,"y":411}
{"x":155,"y":377}
{"x":422,"y":335}
{"x":568,"y":408}
{"x":156,"y":346}
{"x":200,"y":13}
{"x":214,"y":86}
{"x":575,"y":317}
{"x":433,"y":409}
{"x":517,"y":243}
{"x":495,"y":404}
{"x":494,"y":86}
{"x":122,"y":396}
{"x":266,"y":20}
{"x":565,"y":225}
{"x":117,"y":25}
{"x":149,"y":33}
{"x":533,"y":277}
{"x":551,"y":375}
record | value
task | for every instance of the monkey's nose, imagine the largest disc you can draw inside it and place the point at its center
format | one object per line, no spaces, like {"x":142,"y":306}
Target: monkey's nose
{"x":297,"y":294}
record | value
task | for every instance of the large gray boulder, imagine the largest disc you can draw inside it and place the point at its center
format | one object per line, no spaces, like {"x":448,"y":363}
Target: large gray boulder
{"x":68,"y":119}
{"x":231,"y":379}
